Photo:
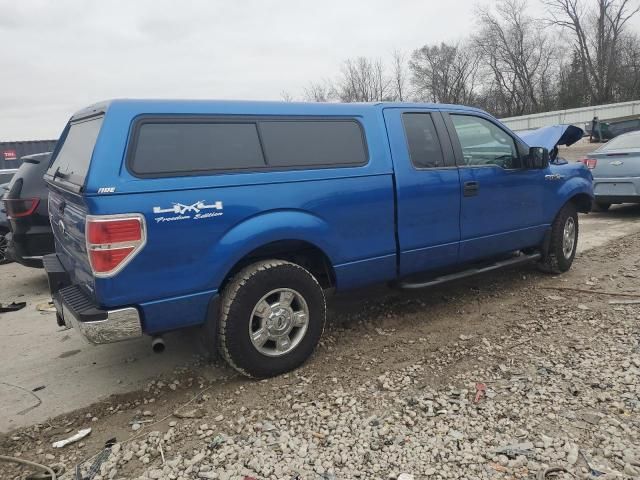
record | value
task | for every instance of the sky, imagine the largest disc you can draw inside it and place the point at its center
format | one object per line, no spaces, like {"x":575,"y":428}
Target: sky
{"x":59,"y":56}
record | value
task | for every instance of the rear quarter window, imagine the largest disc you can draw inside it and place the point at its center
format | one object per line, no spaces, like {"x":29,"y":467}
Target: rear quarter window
{"x":188,"y":147}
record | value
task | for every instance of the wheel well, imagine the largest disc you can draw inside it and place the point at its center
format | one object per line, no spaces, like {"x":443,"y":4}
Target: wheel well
{"x":299,"y":252}
{"x":582,"y":201}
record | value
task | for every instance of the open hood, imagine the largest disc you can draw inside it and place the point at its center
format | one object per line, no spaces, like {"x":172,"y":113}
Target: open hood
{"x":550,"y":137}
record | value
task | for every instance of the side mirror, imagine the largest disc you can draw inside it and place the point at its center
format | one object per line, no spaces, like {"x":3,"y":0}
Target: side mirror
{"x":538,"y":158}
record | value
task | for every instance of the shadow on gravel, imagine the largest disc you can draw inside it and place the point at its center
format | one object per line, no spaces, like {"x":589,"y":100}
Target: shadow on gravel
{"x":624,"y":211}
{"x":375,"y":304}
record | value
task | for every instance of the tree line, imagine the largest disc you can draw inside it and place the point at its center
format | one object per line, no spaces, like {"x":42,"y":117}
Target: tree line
{"x":581,"y":53}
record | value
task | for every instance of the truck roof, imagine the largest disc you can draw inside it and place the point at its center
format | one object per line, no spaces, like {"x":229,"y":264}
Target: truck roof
{"x":170,"y":106}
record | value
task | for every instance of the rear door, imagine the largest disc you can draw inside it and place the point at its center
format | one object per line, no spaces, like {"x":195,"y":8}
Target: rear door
{"x":502,"y":203}
{"x":427,"y":189}
{"x":67,"y":205}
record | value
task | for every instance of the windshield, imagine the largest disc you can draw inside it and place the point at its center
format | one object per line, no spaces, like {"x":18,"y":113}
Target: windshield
{"x":72,"y":160}
{"x":623,"y":142}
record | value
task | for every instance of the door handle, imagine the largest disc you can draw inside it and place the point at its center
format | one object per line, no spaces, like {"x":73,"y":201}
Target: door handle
{"x":471,"y":189}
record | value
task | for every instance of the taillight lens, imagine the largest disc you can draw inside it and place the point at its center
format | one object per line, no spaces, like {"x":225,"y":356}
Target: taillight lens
{"x":590,"y":162}
{"x":113,"y":241}
{"x":20,"y":207}
{"x":105,"y":261}
{"x":113,"y":231}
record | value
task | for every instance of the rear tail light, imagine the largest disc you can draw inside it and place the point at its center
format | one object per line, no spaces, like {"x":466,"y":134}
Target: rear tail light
{"x":20,"y":207}
{"x":113,"y":241}
{"x":590,"y":162}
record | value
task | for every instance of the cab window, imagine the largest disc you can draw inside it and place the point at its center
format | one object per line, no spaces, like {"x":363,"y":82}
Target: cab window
{"x":423,"y":142}
{"x":484,"y":143}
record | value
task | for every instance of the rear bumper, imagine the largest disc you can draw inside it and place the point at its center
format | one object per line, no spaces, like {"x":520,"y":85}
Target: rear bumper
{"x":617,"y":190}
{"x":75,"y":309}
{"x":617,"y":198}
{"x":28,"y":249}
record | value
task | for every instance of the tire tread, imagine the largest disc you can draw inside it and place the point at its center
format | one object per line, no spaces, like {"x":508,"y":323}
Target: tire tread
{"x":551,"y":263}
{"x":230,"y":293}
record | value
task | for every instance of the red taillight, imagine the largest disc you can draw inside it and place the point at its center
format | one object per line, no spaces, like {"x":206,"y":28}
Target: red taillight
{"x":113,"y":241}
{"x":114,"y":231}
{"x":20,"y":207}
{"x":104,"y":261}
{"x":590,"y":162}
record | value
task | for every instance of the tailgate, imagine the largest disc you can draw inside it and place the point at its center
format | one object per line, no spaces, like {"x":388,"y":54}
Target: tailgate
{"x":67,"y":212}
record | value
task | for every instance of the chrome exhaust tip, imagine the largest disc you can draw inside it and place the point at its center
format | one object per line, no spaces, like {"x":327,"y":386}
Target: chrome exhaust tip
{"x":157,"y":344}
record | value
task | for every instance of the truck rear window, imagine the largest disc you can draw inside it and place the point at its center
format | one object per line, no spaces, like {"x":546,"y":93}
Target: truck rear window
{"x":162,"y":148}
{"x":71,"y":163}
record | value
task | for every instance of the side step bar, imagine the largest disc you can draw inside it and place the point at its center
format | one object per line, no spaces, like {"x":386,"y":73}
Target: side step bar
{"x":520,"y":259}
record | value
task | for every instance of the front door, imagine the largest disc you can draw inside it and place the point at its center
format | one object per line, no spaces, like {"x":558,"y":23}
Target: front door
{"x":501,"y":202}
{"x":428,"y":189}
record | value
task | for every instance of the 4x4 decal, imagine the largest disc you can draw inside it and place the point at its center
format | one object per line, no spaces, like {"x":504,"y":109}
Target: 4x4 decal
{"x":181,"y":211}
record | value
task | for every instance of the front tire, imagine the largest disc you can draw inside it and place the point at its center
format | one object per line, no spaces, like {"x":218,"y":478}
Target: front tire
{"x":564,"y":241}
{"x":273,"y":314}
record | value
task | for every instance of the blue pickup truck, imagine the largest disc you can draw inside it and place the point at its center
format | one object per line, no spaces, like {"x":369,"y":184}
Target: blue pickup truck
{"x":240,"y":216}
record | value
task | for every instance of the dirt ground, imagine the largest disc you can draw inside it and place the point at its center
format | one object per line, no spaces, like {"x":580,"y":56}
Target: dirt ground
{"x":371,"y":332}
{"x":578,"y":150}
{"x":36,"y":353}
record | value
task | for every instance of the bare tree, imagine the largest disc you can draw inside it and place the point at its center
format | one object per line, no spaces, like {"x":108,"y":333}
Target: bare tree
{"x":572,"y":83}
{"x":399,"y":76}
{"x":444,"y":73}
{"x":597,"y":33}
{"x":286,"y":96}
{"x":519,"y":58}
{"x":628,"y":80}
{"x":363,"y":80}
{"x":319,"y":92}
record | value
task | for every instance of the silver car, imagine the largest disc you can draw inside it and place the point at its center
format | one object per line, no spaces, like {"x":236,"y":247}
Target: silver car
{"x":616,"y":171}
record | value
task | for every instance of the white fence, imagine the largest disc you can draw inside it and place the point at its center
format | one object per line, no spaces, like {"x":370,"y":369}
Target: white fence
{"x":574,"y":116}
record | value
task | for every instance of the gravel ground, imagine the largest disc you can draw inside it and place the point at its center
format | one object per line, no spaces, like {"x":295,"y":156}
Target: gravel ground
{"x":542,"y":376}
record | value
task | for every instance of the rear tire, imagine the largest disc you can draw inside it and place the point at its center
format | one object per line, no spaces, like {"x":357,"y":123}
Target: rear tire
{"x":272,"y":316}
{"x":3,"y":247}
{"x":600,"y":206}
{"x":564,"y":241}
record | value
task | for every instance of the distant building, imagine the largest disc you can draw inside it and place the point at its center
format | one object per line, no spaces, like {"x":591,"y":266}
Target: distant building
{"x":12,"y":152}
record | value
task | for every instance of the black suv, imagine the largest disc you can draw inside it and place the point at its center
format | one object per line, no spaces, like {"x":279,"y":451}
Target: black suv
{"x":25,"y":203}
{"x":4,"y":228}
